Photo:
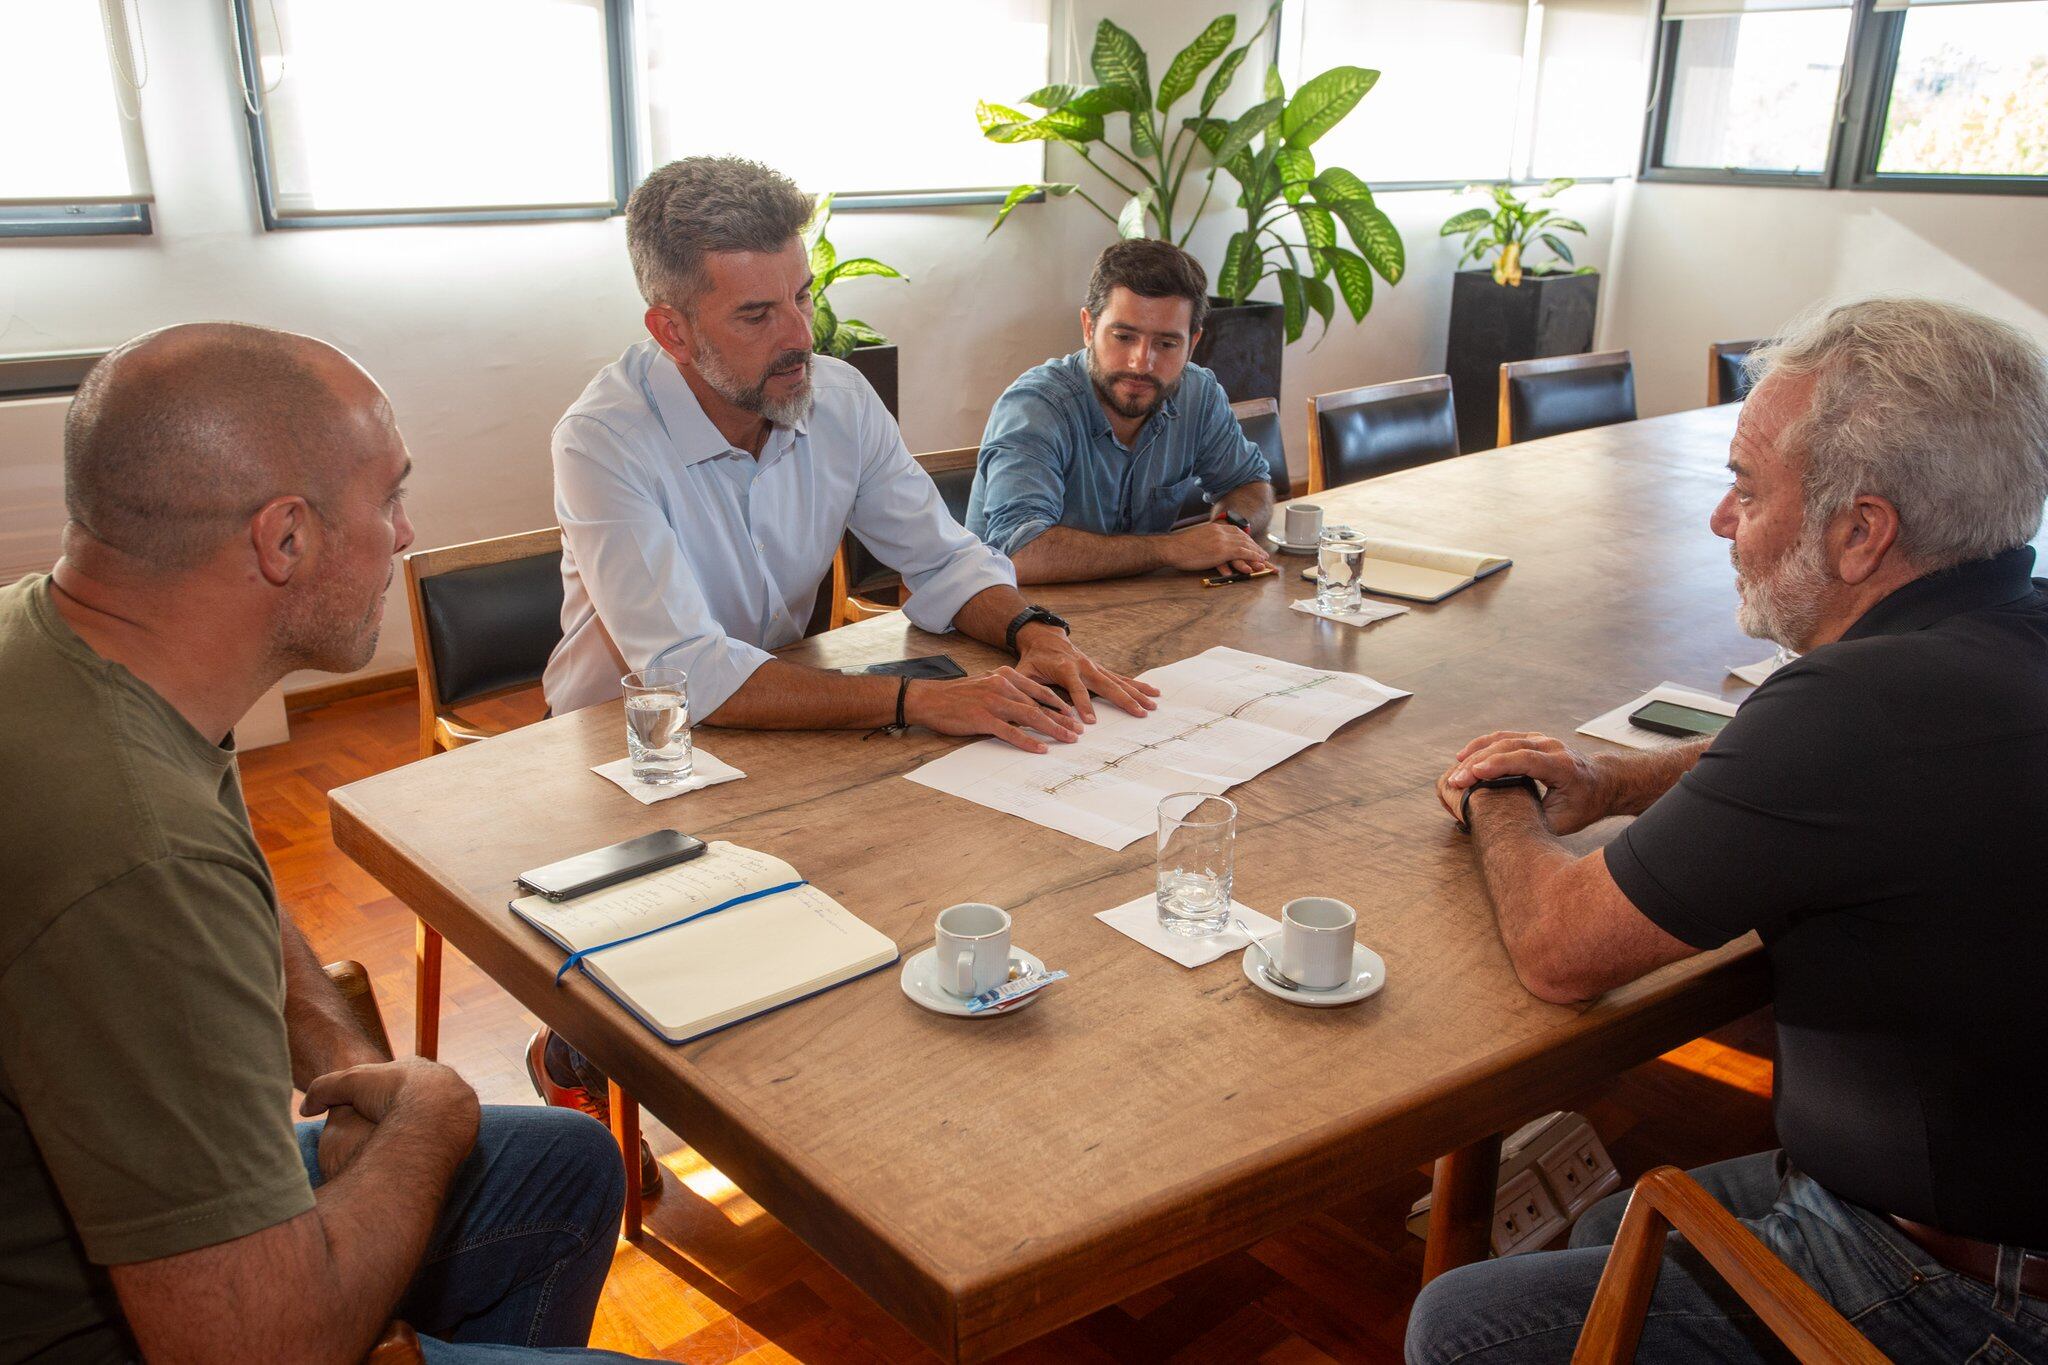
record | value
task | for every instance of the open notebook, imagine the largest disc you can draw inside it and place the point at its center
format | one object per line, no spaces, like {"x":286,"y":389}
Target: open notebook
{"x":1421,"y":573}
{"x":665,"y":949}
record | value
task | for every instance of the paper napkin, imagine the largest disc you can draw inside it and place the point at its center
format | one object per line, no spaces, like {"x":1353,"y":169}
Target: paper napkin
{"x":1614,"y":725}
{"x":1139,"y":919}
{"x":1364,"y":616}
{"x":709,"y":772}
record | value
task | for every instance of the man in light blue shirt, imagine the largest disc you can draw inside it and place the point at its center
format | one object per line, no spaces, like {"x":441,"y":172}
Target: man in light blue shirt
{"x":1088,"y":459}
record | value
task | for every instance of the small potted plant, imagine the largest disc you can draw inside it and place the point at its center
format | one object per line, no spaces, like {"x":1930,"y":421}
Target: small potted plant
{"x":848,"y":339}
{"x":1509,"y":308}
{"x":1161,"y":191}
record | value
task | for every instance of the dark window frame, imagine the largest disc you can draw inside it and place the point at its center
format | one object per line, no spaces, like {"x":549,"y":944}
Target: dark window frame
{"x":126,"y":218}
{"x":1854,"y":139}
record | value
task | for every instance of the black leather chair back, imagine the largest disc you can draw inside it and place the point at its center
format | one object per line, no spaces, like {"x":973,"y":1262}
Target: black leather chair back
{"x":1731,"y":376}
{"x":492,"y":627}
{"x":1378,"y":436}
{"x":1570,"y":400}
{"x":1262,"y":429}
{"x":866,"y":575}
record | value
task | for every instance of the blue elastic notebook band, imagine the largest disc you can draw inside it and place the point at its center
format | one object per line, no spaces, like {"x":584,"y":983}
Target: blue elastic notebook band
{"x":582,"y":953}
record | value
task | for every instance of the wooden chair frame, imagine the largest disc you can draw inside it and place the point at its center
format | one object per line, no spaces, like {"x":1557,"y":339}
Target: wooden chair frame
{"x":848,"y":608}
{"x":1555,"y":364}
{"x":1716,"y":394}
{"x":1318,"y":471}
{"x":1668,"y":1198}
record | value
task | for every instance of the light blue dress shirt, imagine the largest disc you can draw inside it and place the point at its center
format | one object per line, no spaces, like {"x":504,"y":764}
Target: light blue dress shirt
{"x":677,"y":544}
{"x":1048,"y":458}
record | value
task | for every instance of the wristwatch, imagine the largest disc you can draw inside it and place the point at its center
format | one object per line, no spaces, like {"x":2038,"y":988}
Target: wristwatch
{"x":1031,"y":616}
{"x":1522,"y":780}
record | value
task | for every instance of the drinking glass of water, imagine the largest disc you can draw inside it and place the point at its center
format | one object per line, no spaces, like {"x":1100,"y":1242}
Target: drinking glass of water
{"x":1197,"y":848}
{"x":658,"y":725}
{"x":1340,"y":570}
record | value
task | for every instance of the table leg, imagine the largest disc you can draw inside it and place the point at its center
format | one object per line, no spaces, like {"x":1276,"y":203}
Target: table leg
{"x":1461,"y":1207}
{"x":426,"y":1004}
{"x":626,"y":1128}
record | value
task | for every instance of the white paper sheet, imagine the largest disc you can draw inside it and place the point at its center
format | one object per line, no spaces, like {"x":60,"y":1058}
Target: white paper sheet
{"x":1139,"y":920}
{"x":708,"y":772}
{"x":1224,"y":717}
{"x":1364,"y":616}
{"x":1754,"y":674}
{"x":1614,"y":725}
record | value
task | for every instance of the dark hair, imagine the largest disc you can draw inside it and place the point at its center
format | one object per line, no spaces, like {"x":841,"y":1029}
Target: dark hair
{"x":701,"y":204}
{"x":1151,"y":269}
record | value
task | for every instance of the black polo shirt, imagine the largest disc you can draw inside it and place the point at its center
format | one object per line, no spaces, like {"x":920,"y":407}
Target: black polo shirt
{"x":1878,"y":811}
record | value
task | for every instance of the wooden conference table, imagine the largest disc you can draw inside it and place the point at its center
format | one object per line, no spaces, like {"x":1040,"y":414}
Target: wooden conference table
{"x":988,"y":1180}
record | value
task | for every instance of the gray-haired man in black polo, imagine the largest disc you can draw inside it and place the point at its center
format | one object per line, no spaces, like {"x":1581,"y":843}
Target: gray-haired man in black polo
{"x":1877,"y":811}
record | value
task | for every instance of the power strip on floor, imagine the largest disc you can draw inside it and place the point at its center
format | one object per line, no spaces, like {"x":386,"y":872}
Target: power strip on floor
{"x":1551,"y":1170}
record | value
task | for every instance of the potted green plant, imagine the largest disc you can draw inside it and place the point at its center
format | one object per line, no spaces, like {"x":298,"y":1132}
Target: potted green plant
{"x":848,"y":339}
{"x":1507,"y":308}
{"x":1266,"y":150}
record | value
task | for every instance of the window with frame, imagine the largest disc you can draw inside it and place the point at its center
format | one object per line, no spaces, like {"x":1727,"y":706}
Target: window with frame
{"x":1478,"y":90}
{"x":390,"y":111}
{"x":1965,"y":92}
{"x":72,"y":158}
{"x":874,"y":102}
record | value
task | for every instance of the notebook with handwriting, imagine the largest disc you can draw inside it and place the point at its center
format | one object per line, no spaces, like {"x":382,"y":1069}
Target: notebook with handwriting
{"x":1421,"y":573}
{"x":693,"y":948}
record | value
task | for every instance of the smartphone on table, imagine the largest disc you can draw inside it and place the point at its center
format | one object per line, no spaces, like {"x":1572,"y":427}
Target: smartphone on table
{"x":587,"y":872}
{"x":1669,"y":718}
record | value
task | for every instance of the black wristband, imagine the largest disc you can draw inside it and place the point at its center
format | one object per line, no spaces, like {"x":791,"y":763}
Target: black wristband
{"x":1522,"y":780}
{"x":900,"y":724}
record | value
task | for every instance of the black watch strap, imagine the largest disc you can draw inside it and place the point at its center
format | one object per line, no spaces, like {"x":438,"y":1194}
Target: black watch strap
{"x":1030,"y":616}
{"x":1522,"y":780}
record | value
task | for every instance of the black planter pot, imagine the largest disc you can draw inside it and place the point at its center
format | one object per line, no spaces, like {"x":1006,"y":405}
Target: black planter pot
{"x":878,"y":365}
{"x":1242,"y":343}
{"x":1492,"y":324}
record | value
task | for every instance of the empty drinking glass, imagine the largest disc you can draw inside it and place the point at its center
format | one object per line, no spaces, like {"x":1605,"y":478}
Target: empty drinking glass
{"x":1197,"y":849}
{"x":658,"y":725}
{"x":1340,"y":570}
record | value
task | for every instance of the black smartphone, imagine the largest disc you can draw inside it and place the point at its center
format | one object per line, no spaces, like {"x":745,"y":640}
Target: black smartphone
{"x":1669,"y":718}
{"x":586,"y":872}
{"x":1222,"y":579}
{"x":924,"y":666}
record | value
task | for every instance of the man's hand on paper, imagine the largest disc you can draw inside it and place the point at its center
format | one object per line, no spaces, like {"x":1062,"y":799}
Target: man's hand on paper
{"x":1213,"y":545}
{"x":1006,"y":704}
{"x":1044,"y":653}
{"x":1574,"y":795}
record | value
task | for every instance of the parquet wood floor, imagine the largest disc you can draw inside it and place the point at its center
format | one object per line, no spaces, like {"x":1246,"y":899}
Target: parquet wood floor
{"x":717,"y":1280}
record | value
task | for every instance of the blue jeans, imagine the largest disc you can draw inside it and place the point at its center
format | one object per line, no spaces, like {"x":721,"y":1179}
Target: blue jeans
{"x":518,"y":1258}
{"x":1911,"y":1307}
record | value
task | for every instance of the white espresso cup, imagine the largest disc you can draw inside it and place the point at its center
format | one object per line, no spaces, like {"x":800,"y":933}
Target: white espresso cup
{"x":1304,"y":523}
{"x":1316,"y":934}
{"x":971,"y":948}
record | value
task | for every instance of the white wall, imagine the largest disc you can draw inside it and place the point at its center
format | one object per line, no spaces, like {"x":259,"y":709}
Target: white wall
{"x":482,"y":335}
{"x":1705,"y":263}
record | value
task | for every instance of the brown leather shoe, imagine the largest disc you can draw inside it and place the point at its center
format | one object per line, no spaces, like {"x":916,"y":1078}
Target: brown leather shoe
{"x":574,"y":1095}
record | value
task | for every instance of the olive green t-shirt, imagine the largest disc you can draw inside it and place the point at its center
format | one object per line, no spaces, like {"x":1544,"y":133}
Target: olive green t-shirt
{"x":145,"y":1082}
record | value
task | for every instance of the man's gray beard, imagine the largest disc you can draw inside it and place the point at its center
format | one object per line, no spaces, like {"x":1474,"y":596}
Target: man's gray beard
{"x":1784,"y":604}
{"x":783,"y":412}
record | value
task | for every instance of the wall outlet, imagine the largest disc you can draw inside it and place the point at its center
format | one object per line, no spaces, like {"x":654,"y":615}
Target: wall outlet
{"x":1552,"y":1169}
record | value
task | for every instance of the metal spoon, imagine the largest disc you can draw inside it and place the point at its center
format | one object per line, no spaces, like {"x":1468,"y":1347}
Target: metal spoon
{"x":1272,"y":966}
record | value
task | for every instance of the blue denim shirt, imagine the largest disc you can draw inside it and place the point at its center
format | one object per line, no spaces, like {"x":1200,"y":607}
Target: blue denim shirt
{"x":1048,"y":458}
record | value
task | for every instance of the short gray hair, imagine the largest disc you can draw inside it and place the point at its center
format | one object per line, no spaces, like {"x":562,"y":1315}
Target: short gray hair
{"x":1936,"y":408}
{"x":701,"y":204}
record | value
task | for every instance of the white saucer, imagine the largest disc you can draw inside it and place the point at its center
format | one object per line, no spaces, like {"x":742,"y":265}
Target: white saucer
{"x":920,"y":982}
{"x":1273,"y":539}
{"x":1368,"y":974}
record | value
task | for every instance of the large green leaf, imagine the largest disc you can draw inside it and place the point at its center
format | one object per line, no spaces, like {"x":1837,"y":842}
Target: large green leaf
{"x":1322,"y":300}
{"x":1240,"y":267}
{"x":1068,"y":124}
{"x":1105,"y":99}
{"x":862,"y":333}
{"x":1321,"y":103}
{"x":1000,"y":123}
{"x":1297,"y":166}
{"x":1131,"y":222}
{"x":1555,"y":186}
{"x":1118,"y":60}
{"x":1464,"y":222}
{"x":1559,"y":247}
{"x":1318,"y":228}
{"x":824,"y":325}
{"x":1144,"y":134}
{"x":1219,"y":79}
{"x":853,"y":267}
{"x":822,"y":256}
{"x":1566,"y":225}
{"x":1052,"y":96}
{"x":1024,"y":192}
{"x":1354,"y":280}
{"x":1180,"y":76}
{"x":1294,"y":307}
{"x":1375,"y":236}
{"x":1276,"y":89}
{"x":1211,"y":132}
{"x":1336,"y":185}
{"x":1244,"y":128}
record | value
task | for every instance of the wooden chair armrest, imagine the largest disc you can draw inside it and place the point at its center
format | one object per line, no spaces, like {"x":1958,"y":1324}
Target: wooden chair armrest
{"x":1667,"y":1198}
{"x":399,"y":1345}
{"x":453,"y":734}
{"x":354,"y":984}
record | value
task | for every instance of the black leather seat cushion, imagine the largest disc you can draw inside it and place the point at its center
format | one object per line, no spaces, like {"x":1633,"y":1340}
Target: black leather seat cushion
{"x":1263,"y":431}
{"x":867,"y":576}
{"x":1734,"y":376}
{"x":1365,"y":440}
{"x":492,"y":627}
{"x":1570,"y":400}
